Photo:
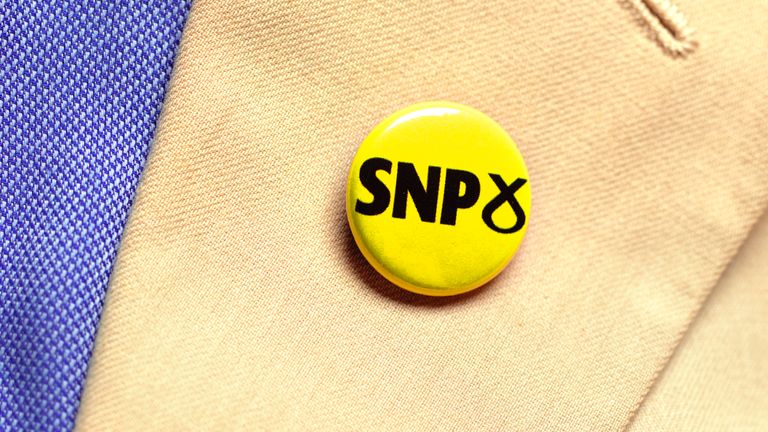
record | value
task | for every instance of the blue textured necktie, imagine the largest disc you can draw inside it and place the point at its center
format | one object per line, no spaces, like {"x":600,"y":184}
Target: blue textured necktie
{"x":81,"y":86}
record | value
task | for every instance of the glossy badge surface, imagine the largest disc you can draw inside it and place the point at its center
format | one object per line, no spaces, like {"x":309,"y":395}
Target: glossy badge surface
{"x":438,"y":198}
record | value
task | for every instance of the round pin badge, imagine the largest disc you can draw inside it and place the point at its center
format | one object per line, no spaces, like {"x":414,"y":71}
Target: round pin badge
{"x":438,"y":198}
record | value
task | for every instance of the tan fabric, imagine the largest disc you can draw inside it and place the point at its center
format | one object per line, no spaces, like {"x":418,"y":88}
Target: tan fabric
{"x":718,"y":378}
{"x":239,"y":300}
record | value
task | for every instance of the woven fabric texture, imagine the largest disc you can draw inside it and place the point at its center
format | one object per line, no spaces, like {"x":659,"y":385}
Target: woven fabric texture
{"x":240,"y":302}
{"x":81,"y":86}
{"x":718,"y":377}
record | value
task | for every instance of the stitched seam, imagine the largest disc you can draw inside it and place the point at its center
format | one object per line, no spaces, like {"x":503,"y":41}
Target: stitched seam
{"x":689,"y":322}
{"x":666,"y":25}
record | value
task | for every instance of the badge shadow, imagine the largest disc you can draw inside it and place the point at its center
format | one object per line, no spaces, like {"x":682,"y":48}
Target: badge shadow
{"x":354,"y":259}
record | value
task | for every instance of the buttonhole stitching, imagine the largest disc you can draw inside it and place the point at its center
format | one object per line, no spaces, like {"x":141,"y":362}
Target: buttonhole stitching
{"x":666,"y":25}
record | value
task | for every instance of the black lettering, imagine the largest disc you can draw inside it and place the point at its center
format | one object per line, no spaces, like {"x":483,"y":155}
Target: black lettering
{"x":452,"y":201}
{"x":375,"y":186}
{"x":409,"y":183}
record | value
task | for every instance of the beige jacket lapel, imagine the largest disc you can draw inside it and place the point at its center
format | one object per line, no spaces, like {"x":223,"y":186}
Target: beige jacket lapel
{"x":239,"y":301}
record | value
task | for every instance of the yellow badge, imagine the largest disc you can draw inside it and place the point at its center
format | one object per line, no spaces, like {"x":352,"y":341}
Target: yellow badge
{"x":438,"y":198}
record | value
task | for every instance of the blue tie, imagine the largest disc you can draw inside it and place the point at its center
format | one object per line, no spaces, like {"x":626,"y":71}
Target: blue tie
{"x":81,"y":87}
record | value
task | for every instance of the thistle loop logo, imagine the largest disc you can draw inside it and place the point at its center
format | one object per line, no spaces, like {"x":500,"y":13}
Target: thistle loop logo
{"x":506,"y":195}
